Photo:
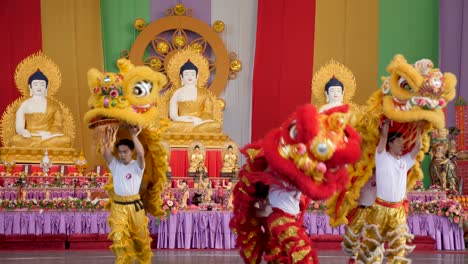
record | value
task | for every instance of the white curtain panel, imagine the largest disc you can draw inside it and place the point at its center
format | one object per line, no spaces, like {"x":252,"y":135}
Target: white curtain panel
{"x":240,"y":18}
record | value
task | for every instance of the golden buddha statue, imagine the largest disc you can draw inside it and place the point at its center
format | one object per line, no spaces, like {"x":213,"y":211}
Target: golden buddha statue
{"x":333,"y":86}
{"x":230,"y":166}
{"x":193,"y":111}
{"x":197,"y":158}
{"x":37,"y":120}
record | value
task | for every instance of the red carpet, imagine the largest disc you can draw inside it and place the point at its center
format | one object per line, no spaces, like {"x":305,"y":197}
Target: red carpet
{"x":95,"y":241}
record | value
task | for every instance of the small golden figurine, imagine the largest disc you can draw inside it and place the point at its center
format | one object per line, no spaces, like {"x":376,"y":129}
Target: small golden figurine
{"x":81,"y":164}
{"x":9,"y":164}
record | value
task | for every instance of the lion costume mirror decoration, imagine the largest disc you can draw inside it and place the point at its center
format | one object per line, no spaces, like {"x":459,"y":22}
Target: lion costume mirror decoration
{"x":37,"y":120}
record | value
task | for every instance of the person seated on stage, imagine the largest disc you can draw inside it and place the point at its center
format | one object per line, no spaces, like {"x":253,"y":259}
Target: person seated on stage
{"x":334,"y":93}
{"x":191,"y":107}
{"x":230,"y":161}
{"x":39,"y":120}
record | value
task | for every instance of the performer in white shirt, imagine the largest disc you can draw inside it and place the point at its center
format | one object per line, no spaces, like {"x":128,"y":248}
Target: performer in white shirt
{"x":127,"y":219}
{"x":386,"y":220}
{"x":357,"y":219}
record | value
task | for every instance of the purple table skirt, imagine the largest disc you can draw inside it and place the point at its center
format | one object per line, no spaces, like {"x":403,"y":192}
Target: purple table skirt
{"x":193,"y":229}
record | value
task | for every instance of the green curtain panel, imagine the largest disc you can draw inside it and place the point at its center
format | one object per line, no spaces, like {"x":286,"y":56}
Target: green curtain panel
{"x":410,"y":28}
{"x":118,"y":33}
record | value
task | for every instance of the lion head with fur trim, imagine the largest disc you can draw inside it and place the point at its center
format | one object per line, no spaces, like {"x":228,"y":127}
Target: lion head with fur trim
{"x":416,"y":92}
{"x":412,"y":97}
{"x":128,"y":96}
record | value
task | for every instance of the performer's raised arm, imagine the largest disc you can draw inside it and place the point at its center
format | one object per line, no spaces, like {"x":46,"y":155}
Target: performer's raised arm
{"x":135,"y":131}
{"x":383,"y":137}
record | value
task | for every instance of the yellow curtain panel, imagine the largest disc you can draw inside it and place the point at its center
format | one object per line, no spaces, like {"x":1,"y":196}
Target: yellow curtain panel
{"x":71,"y":36}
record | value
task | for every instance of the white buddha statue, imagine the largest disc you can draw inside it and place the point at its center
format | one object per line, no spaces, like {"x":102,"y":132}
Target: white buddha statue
{"x":191,"y":107}
{"x":39,"y":120}
{"x":334,"y":94}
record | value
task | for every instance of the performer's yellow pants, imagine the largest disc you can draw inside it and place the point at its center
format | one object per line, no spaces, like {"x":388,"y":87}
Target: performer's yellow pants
{"x":352,"y":236}
{"x":129,"y":232}
{"x":385,"y":222}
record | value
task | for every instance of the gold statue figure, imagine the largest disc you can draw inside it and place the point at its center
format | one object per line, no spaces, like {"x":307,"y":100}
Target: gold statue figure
{"x":37,"y":120}
{"x":230,"y":154}
{"x":196,"y":152}
{"x":442,"y":168}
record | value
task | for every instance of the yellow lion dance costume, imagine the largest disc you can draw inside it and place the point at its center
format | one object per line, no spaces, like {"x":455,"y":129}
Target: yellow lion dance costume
{"x":129,"y":98}
{"x":412,"y":97}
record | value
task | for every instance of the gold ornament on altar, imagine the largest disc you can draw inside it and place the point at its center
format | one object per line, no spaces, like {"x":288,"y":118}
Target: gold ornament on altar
{"x":139,"y":24}
{"x":9,"y":164}
{"x":81,"y":164}
{"x":37,"y":120}
{"x":323,"y":76}
{"x":24,"y":195}
{"x":46,"y":164}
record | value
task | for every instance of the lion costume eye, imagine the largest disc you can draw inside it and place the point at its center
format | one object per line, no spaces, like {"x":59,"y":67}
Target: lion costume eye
{"x":142,"y":88}
{"x":292,"y":130}
{"x":404,"y":84}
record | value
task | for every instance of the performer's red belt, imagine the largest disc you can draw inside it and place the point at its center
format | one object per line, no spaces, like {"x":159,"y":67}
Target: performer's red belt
{"x":399,"y":204}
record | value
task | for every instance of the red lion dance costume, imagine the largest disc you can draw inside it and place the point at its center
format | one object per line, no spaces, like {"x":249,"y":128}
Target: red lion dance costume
{"x":303,"y":159}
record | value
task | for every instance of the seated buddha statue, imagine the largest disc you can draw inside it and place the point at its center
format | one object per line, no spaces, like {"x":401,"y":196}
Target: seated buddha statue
{"x":39,"y":120}
{"x":230,"y":161}
{"x":191,"y":107}
{"x":197,"y":159}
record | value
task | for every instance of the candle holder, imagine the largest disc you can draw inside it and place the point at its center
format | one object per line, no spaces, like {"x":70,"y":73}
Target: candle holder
{"x":46,"y":163}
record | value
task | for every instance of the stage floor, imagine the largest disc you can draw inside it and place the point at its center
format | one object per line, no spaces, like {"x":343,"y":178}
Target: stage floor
{"x":200,"y":256}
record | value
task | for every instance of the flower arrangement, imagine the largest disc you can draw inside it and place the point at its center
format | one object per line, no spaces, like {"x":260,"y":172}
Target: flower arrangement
{"x":54,"y":204}
{"x":449,"y":208}
{"x":317,"y":206}
{"x":419,"y":186}
{"x":170,"y":205}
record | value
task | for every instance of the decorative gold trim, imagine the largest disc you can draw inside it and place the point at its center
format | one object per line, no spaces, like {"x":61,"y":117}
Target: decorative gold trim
{"x":28,"y":155}
{"x":30,"y":65}
{"x":322,"y":76}
{"x":182,"y":140}
{"x":179,"y":59}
